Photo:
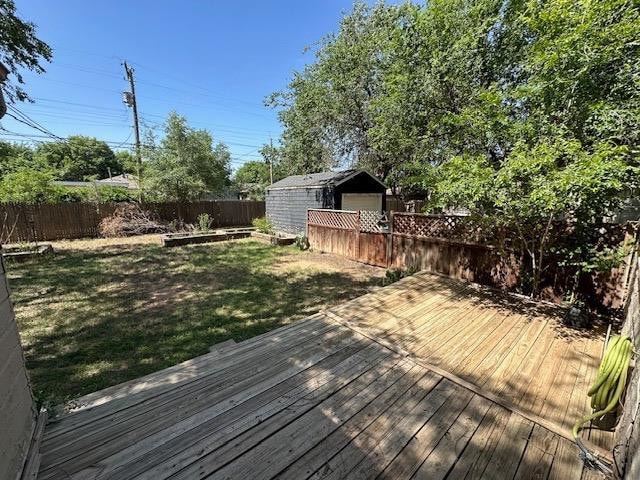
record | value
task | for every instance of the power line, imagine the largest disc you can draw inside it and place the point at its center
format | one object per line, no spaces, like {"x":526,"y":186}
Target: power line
{"x":26,"y":120}
{"x":36,"y":137}
{"x":112,"y":143}
{"x":108,"y":109}
{"x":174,"y":89}
{"x":125,"y":140}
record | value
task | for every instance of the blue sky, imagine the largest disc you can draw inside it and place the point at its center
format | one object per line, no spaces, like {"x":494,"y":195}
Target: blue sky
{"x":212,"y":61}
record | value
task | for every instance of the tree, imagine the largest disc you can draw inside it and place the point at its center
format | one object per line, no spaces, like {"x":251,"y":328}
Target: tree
{"x":14,"y":156}
{"x":127,"y":161}
{"x":27,"y":186}
{"x":186,"y":164}
{"x":254,"y":176}
{"x":79,"y":158}
{"x":19,"y":48}
{"x":327,"y":109}
{"x":532,"y":191}
{"x":253,"y":172}
{"x":524,"y":112}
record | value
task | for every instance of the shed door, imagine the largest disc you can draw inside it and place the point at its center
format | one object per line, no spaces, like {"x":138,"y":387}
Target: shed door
{"x":362,"y":201}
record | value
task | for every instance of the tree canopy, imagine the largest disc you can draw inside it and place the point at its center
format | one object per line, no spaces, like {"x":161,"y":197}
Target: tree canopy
{"x":186,"y":164}
{"x":521,"y":111}
{"x":253,"y":172}
{"x":19,"y":48}
{"x":411,"y":86}
{"x":27,"y":174}
{"x":253,"y":177}
{"x":79,"y":158}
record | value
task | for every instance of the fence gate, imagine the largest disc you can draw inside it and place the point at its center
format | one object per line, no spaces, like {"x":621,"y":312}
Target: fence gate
{"x":360,"y":236}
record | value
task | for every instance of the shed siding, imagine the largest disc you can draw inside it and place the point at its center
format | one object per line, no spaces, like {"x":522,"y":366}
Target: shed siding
{"x":287,"y":208}
{"x":17,"y":408}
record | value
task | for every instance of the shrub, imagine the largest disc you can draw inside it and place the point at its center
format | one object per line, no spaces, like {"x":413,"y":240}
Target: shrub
{"x":263,"y":225}
{"x":392,"y":275}
{"x":204,"y":222}
{"x":302,"y":242}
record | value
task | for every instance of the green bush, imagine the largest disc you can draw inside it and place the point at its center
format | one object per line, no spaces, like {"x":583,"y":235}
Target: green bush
{"x":392,"y":275}
{"x":263,"y":225}
{"x":204,"y":222}
{"x":302,"y":242}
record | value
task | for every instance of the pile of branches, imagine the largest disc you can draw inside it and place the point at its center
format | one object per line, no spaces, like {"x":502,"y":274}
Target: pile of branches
{"x":128,"y":220}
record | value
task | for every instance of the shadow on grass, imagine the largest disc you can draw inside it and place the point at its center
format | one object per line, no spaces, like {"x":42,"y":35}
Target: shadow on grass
{"x":90,"y":319}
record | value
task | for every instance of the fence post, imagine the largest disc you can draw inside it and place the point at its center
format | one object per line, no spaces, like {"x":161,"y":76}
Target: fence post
{"x":390,"y":241}
{"x":359,"y":226}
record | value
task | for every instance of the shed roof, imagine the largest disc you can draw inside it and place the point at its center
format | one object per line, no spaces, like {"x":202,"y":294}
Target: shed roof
{"x":321,"y":179}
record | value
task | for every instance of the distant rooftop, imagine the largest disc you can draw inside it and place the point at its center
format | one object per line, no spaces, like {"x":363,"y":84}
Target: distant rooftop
{"x":126,"y":180}
{"x":123,"y":181}
{"x":321,"y":179}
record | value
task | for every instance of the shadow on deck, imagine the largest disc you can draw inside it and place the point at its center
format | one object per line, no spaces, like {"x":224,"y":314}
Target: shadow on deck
{"x":327,"y":399}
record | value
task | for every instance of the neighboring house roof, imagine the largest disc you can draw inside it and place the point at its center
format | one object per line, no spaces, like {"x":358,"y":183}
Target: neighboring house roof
{"x":125,"y":180}
{"x":122,"y":181}
{"x":72,"y":183}
{"x":322,"y":179}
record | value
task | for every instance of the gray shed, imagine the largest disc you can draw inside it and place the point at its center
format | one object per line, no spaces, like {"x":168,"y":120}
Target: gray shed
{"x":287,"y":200}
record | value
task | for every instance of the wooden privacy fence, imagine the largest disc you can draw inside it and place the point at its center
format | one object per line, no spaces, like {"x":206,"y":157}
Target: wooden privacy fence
{"x":446,"y":244}
{"x":355,"y":235}
{"x":39,"y":222}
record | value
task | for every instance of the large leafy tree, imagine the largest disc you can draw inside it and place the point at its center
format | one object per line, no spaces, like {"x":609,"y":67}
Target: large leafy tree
{"x":79,"y":158}
{"x":253,"y":172}
{"x":19,"y":48}
{"x":525,"y":112}
{"x":186,"y":164}
{"x":326,"y":110}
{"x":253,"y":176}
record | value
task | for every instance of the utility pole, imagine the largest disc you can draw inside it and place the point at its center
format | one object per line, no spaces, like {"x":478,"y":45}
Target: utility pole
{"x":271,"y":160}
{"x":129,"y":98}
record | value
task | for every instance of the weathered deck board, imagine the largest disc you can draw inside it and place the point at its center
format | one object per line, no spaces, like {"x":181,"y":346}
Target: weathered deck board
{"x":325,"y":400}
{"x":509,"y":346}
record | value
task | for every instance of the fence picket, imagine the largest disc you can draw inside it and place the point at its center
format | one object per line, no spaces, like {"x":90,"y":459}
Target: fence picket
{"x":451,"y":245}
{"x":39,"y":222}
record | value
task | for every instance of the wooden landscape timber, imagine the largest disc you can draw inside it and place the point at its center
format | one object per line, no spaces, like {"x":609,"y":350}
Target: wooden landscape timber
{"x":276,"y":239}
{"x":180,"y":239}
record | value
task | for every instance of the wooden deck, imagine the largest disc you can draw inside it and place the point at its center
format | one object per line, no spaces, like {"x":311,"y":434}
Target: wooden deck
{"x":511,"y":347}
{"x":327,"y":398}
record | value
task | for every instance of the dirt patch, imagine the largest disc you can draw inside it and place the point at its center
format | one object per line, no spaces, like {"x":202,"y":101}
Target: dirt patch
{"x":96,"y":243}
{"x":314,"y":262}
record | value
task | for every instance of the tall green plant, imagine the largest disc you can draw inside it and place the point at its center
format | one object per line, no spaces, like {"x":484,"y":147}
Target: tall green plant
{"x":186,"y":163}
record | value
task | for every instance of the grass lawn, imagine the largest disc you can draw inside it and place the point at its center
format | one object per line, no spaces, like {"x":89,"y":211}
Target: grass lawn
{"x":102,"y":311}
